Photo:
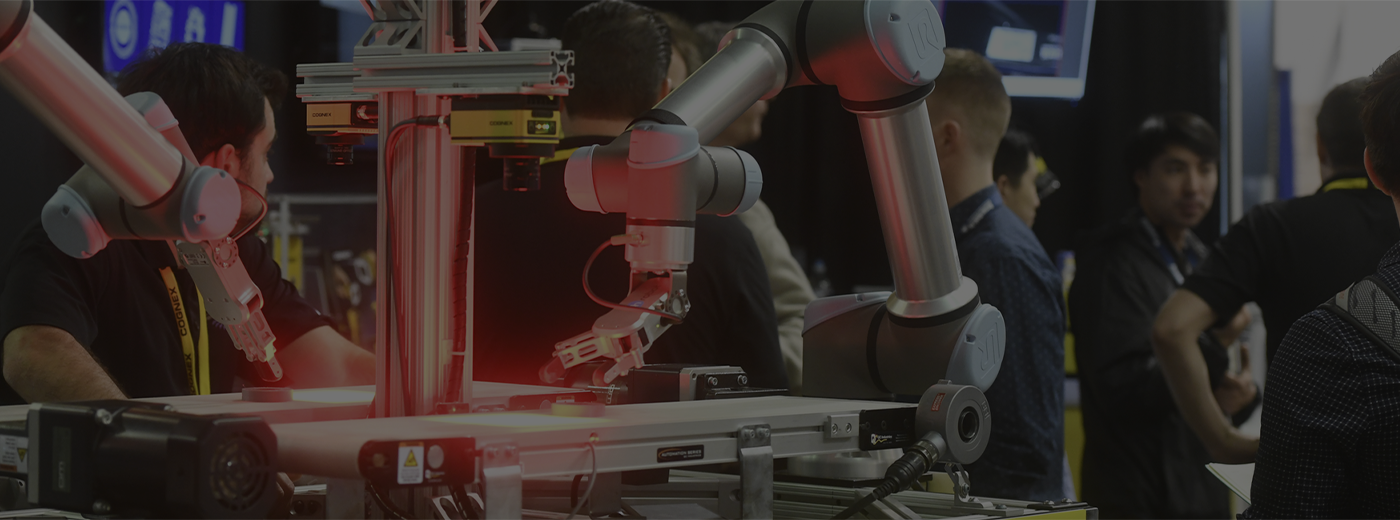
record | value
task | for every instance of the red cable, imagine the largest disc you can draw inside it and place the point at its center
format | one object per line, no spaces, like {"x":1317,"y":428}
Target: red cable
{"x":396,"y":296}
{"x":254,"y":223}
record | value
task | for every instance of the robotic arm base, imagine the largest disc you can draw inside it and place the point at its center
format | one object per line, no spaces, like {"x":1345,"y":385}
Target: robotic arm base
{"x":855,"y":349}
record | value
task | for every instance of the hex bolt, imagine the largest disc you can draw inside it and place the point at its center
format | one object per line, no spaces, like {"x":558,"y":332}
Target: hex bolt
{"x":104,"y":418}
{"x":743,"y":379}
{"x":848,"y":427}
{"x":1001,"y":506}
{"x":835,"y":429}
{"x":714,"y":381}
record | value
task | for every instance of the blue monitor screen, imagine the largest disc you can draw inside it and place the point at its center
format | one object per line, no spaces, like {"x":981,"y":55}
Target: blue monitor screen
{"x":130,"y":27}
{"x":1041,"y":47}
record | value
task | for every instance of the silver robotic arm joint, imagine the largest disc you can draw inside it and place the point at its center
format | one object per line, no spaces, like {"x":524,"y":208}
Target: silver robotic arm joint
{"x":660,"y":176}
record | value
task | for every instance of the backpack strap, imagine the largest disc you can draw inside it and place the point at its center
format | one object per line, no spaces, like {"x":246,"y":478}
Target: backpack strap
{"x":1370,"y":307}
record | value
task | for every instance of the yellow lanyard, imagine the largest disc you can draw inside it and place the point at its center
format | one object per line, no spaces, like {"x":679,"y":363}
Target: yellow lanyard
{"x":199,"y":381}
{"x":1351,"y":183}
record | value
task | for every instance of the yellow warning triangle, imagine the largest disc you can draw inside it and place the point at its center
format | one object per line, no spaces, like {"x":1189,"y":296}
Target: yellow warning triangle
{"x":411,"y":462}
{"x":23,"y":451}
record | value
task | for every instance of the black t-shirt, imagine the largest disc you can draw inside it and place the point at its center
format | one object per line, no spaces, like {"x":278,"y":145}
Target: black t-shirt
{"x":116,"y":305}
{"x":530,"y":249}
{"x":1290,"y":256}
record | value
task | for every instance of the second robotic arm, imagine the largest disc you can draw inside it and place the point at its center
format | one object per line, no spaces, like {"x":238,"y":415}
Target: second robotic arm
{"x":882,"y":55}
{"x":661,"y":177}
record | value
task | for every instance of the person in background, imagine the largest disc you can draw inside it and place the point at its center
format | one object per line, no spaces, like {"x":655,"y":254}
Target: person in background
{"x":1287,"y":256}
{"x":112,"y":326}
{"x":1328,"y":446}
{"x":536,"y":245}
{"x":1140,"y":458}
{"x":969,"y":113}
{"x":1021,"y":175}
{"x":792,"y":291}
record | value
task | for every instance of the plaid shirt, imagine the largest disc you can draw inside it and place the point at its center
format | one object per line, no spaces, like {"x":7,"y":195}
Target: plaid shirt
{"x":1330,"y":440}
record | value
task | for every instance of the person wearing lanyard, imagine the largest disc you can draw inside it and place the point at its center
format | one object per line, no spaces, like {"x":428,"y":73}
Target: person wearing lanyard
{"x":969,"y":113}
{"x":1140,"y":458}
{"x":1327,"y":434}
{"x":129,"y":322}
{"x":1288,"y":256}
{"x":532,"y":246}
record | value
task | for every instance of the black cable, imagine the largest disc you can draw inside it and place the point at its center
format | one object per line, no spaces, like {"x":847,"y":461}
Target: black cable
{"x":900,"y":475}
{"x":385,"y":504}
{"x":465,"y":506}
{"x":573,"y":491}
{"x":588,"y":289}
{"x":856,"y":507}
{"x":592,"y":478}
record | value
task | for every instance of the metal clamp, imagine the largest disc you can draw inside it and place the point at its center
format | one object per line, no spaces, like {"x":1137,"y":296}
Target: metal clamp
{"x":501,"y":480}
{"x":756,"y":471}
{"x":962,"y":491}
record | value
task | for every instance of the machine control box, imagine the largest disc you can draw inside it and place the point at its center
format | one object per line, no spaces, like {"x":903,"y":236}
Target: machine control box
{"x":682,"y":382}
{"x":423,"y":462}
{"x":888,"y":428}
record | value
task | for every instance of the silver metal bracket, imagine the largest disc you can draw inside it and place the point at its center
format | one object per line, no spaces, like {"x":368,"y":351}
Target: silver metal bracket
{"x":327,"y":82}
{"x":501,"y":480}
{"x":890,"y":507}
{"x":397,"y":37}
{"x":446,"y":508}
{"x":522,"y":72}
{"x":962,"y":491}
{"x":756,"y":471}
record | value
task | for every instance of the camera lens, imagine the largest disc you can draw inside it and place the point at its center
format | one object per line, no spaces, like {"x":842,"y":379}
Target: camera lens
{"x":522,"y":174}
{"x":968,"y":424}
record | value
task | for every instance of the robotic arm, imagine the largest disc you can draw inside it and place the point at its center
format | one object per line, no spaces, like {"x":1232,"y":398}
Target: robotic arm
{"x":661,"y":177}
{"x":140,"y":180}
{"x":882,"y":55}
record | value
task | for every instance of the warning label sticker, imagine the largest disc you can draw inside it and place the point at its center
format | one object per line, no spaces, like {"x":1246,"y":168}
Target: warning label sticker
{"x":937,"y":402}
{"x":410,"y":463}
{"x":14,"y":453}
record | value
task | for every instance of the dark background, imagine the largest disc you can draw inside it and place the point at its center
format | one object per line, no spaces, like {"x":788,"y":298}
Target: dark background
{"x":1145,"y":57}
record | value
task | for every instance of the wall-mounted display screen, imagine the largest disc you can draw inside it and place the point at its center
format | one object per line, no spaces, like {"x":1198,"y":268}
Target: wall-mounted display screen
{"x":131,"y":27}
{"x":1040,"y":46}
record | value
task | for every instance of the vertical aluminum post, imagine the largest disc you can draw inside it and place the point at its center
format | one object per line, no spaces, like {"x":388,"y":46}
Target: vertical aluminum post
{"x":414,"y":351}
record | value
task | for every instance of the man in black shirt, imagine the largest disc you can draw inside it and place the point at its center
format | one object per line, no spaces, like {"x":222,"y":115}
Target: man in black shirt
{"x":532,"y":246}
{"x":1140,"y":459}
{"x":1289,"y":256}
{"x":107,"y":328}
{"x":1327,"y":446}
